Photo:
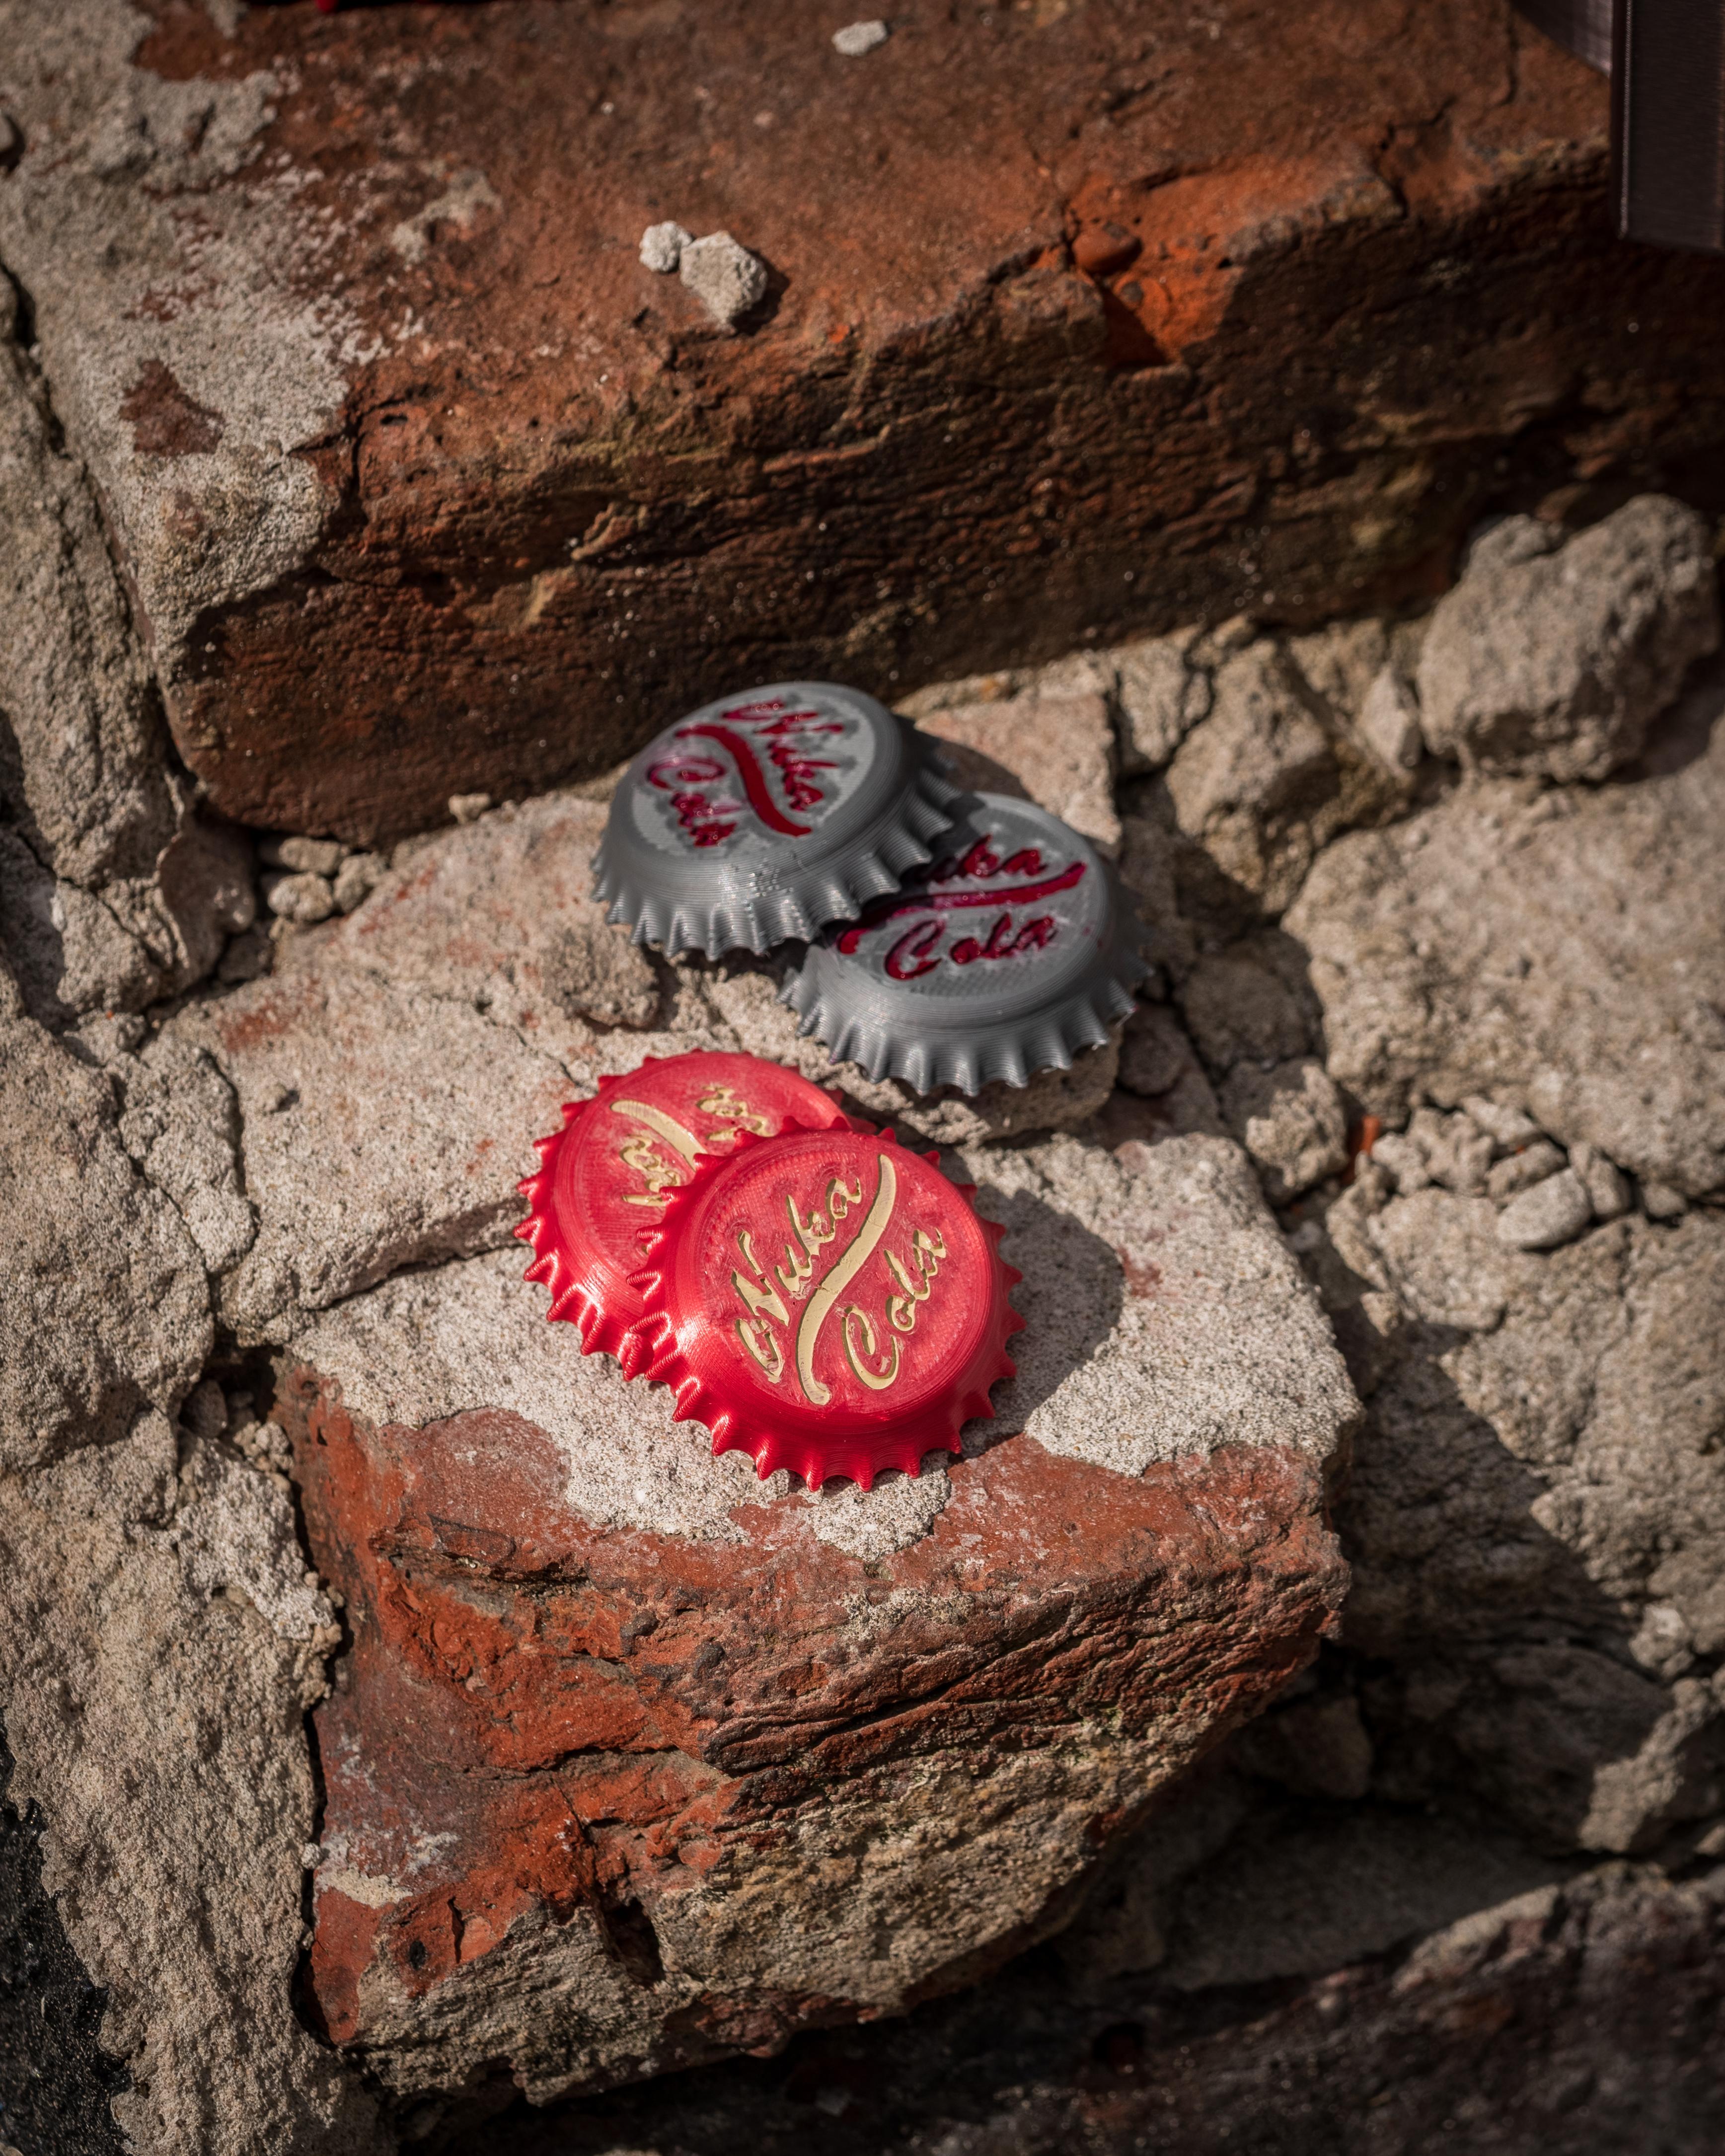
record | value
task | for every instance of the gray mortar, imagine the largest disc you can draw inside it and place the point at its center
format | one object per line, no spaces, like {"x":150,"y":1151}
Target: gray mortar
{"x":723,"y":275}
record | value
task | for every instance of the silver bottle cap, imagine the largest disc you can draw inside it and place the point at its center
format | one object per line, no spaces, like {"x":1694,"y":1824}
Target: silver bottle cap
{"x":1014,"y":951}
{"x":763,"y":816}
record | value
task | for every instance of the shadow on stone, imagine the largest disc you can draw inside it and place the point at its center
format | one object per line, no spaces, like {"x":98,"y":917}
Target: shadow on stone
{"x":54,"y":2079}
{"x":1497,"y":1671}
{"x":1683,"y":736}
{"x":1070,"y":1297}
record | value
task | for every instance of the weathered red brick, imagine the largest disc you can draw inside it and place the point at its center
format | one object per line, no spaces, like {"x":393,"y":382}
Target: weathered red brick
{"x":541,"y":1722}
{"x":448,"y":493}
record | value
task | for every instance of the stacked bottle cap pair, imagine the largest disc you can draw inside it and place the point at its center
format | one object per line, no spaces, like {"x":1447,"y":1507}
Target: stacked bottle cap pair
{"x":815,"y":1294}
{"x":944,"y":939}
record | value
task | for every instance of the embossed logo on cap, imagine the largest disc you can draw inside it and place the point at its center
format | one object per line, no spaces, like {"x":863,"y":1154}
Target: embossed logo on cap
{"x":763,"y":750}
{"x":830,"y":1302}
{"x":1006,"y":895}
{"x":769,"y":767}
{"x":605,"y":1178}
{"x":1013,"y":952}
{"x":764,"y":816}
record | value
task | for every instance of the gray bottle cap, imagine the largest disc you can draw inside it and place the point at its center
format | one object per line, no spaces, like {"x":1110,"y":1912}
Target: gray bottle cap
{"x":763,"y":816}
{"x":1016,"y":949}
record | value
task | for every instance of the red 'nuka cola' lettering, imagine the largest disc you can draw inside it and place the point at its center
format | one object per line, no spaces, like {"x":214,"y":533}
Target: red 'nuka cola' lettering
{"x":918,"y":951}
{"x":681,"y":772}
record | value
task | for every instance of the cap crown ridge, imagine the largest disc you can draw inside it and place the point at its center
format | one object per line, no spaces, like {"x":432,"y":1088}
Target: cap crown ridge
{"x":571,"y":1298}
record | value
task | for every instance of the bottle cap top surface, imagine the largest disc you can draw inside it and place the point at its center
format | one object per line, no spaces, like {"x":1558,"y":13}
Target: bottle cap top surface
{"x":1014,"y":951}
{"x":827,"y":1301}
{"x":764,"y":816}
{"x":599,"y":1195}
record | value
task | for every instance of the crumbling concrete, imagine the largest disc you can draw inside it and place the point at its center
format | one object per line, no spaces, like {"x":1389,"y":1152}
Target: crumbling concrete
{"x":1552,"y":661}
{"x":1555,"y":950}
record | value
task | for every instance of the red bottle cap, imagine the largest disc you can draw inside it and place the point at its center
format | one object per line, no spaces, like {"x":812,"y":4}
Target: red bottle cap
{"x":829,"y":1302}
{"x":596,"y":1203}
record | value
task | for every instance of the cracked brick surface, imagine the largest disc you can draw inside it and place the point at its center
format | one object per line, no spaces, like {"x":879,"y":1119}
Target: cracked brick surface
{"x":603,"y":1801}
{"x":1106,"y":318}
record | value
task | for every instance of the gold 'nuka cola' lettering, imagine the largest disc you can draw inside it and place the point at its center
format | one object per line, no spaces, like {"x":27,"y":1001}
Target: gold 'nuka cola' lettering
{"x":761,"y":1301}
{"x":813,"y":1236}
{"x":861,"y":1248}
{"x":926,"y":1250}
{"x":638,"y":1153}
{"x":796,"y":1273}
{"x":857,"y":1321}
{"x":722,"y":1101}
{"x":875,"y":1358}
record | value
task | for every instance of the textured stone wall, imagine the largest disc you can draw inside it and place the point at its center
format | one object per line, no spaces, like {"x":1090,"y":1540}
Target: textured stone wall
{"x":1300,"y":1711}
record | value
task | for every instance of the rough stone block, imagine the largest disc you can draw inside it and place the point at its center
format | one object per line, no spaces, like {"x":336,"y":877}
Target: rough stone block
{"x":180,"y":1125}
{"x":1251,"y":1003}
{"x":1291,"y":1121}
{"x":499,"y":915}
{"x":426,"y":485}
{"x":380,"y":1126}
{"x":159,"y":1646}
{"x":1536,"y":1514}
{"x":1269,"y":777}
{"x":1552,"y":660}
{"x":65,"y":947}
{"x":1557,"y":950}
{"x":104,"y":1307}
{"x":111,"y":894}
{"x":638,"y":1759}
{"x":1162,"y":696}
{"x":83,"y":774}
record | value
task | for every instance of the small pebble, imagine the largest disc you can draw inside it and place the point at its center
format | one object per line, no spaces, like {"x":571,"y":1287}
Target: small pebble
{"x":1552,"y":1212}
{"x":721,"y":273}
{"x":1389,"y":720}
{"x":1660,"y":1202}
{"x":1404,"y":1162}
{"x":302,"y":898}
{"x":1608,"y":1186}
{"x":1508,"y":1127}
{"x":662,"y":247}
{"x":308,"y":856}
{"x":355,"y":879}
{"x":856,"y":38}
{"x":1102,"y":249}
{"x":1521,"y":1171}
{"x":468,"y":808}
{"x":205,"y":1410}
